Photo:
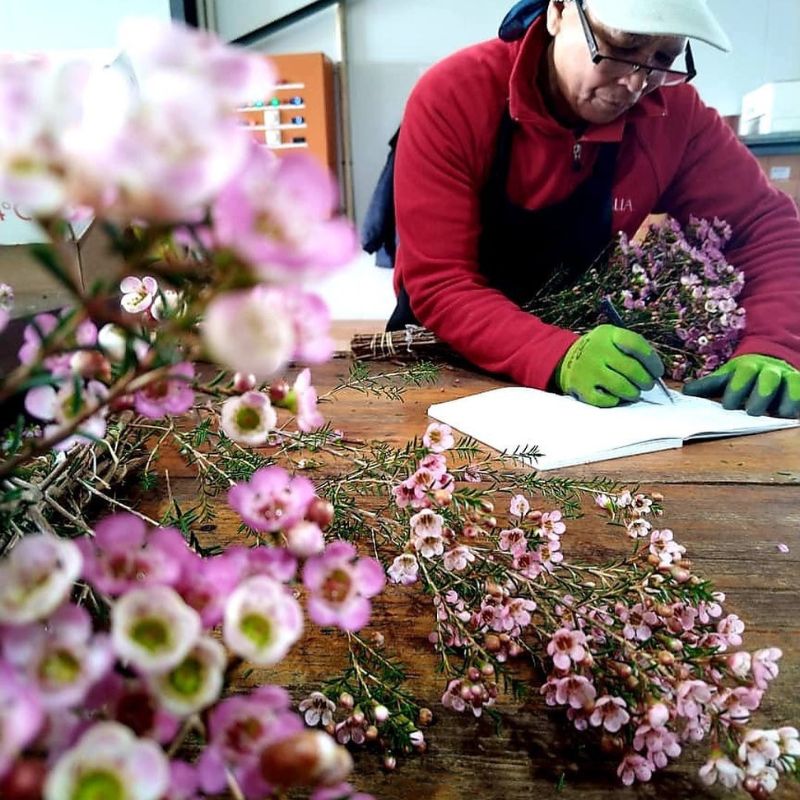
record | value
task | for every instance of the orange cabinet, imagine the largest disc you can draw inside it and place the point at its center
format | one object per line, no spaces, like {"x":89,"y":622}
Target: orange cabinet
{"x":299,"y":114}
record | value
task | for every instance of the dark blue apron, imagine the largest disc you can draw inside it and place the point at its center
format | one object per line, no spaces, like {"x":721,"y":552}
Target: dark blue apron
{"x":520,"y":249}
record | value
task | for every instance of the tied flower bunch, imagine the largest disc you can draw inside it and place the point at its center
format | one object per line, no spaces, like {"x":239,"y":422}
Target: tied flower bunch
{"x":676,"y":287}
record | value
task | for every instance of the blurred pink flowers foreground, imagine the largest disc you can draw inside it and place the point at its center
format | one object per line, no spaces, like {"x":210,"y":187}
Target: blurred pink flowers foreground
{"x":225,"y":236}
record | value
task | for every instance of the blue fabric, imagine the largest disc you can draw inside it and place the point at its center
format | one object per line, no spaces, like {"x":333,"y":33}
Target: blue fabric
{"x":520,"y":18}
{"x":379,"y":231}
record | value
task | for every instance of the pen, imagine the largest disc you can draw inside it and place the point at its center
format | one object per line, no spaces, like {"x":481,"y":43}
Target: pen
{"x":607,"y":307}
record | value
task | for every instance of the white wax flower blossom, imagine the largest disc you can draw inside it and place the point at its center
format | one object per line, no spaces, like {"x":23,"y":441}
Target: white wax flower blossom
{"x":153,"y":629}
{"x":262,"y":620}
{"x":248,"y":419}
{"x":37,"y":577}
{"x":249,"y":331}
{"x":109,"y":762}
{"x":196,"y":682}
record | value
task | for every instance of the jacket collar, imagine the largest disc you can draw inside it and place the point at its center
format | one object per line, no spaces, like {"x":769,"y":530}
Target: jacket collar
{"x":526,"y":104}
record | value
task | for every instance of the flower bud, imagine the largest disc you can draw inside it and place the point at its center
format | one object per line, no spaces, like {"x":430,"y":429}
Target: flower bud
{"x":631,"y":681}
{"x":377,"y":639}
{"x":358,"y":717}
{"x":90,"y":364}
{"x":680,"y":575}
{"x":666,"y":658}
{"x":425,"y":717}
{"x":389,"y":761}
{"x":487,"y":670}
{"x":535,"y":516}
{"x":346,"y":700}
{"x":279,"y":391}
{"x":24,"y":781}
{"x":320,"y":511}
{"x":380,"y":714}
{"x":492,"y":642}
{"x":371,"y":733}
{"x":657,"y":715}
{"x":309,"y":758}
{"x":305,"y":539}
{"x":487,"y":506}
{"x":489,"y":523}
{"x":657,"y":497}
{"x":473,"y":674}
{"x":442,"y":498}
{"x":244,"y":382}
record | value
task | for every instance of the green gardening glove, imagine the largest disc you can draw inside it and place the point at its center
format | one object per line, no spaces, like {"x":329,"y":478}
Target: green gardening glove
{"x":608,"y":365}
{"x":754,"y":383}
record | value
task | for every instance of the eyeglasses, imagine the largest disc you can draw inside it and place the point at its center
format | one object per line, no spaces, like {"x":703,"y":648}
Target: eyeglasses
{"x":656,"y":76}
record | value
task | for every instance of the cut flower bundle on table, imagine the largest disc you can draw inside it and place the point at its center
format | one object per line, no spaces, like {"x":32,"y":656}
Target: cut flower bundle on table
{"x":125,"y":638}
{"x":676,"y":289}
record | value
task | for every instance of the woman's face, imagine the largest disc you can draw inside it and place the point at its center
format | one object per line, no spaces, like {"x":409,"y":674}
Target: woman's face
{"x":597,"y":93}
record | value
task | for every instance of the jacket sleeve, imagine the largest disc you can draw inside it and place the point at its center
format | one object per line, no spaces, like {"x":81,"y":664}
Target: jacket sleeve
{"x":440,"y":170}
{"x":718,"y":176}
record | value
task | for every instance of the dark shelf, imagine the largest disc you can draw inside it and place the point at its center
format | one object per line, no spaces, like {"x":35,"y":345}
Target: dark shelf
{"x":773,"y":144}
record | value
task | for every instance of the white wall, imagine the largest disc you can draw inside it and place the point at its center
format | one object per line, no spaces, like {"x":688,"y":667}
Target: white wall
{"x":766,"y":42}
{"x":69,"y":24}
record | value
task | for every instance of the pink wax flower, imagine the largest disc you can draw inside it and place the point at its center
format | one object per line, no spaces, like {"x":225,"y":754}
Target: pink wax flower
{"x":153,"y":629}
{"x":765,"y":666}
{"x":519,"y":506}
{"x":635,"y":768}
{"x":36,"y":577}
{"x":286,"y":232}
{"x":63,"y":406}
{"x":248,"y":419}
{"x":551,"y":524}
{"x":302,"y":401}
{"x":340,"y":586}
{"x":311,"y":321}
{"x":109,"y":755}
{"x":513,"y":541}
{"x":575,"y":691}
{"x":262,"y":620}
{"x":274,"y":562}
{"x":126,"y":554}
{"x":195,"y":683}
{"x":458,"y":559}
{"x":438,"y":438}
{"x":317,"y":709}
{"x":567,"y":646}
{"x":404,"y":569}
{"x":271,"y":500}
{"x":21,"y":716}
{"x":206,"y":583}
{"x":138,"y":293}
{"x":171,"y":395}
{"x":250,"y":331}
{"x":61,"y":657}
{"x":240,"y":728}
{"x":610,"y":712}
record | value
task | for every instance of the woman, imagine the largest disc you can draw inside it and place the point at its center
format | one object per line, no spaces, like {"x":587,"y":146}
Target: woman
{"x":518,"y":160}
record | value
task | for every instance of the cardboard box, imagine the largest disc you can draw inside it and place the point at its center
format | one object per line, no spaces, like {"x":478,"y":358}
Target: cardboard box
{"x":772,"y":108}
{"x":783,"y":172}
{"x":85,"y":256}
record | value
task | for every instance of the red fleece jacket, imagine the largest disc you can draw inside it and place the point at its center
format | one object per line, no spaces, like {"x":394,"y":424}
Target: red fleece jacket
{"x":676,"y":156}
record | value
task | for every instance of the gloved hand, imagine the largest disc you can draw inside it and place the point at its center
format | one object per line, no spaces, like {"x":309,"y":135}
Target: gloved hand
{"x":755,"y":383}
{"x":607,"y":365}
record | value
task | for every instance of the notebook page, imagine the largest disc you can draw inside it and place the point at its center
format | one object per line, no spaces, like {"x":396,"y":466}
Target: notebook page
{"x":565,"y":430}
{"x":698,"y":417}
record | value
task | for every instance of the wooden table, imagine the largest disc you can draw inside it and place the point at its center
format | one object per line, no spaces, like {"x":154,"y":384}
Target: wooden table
{"x":730,"y":502}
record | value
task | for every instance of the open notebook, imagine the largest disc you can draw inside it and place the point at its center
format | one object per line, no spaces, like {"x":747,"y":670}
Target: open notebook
{"x":569,"y":432}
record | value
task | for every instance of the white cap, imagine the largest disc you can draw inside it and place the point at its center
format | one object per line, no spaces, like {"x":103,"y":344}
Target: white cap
{"x":690,"y":18}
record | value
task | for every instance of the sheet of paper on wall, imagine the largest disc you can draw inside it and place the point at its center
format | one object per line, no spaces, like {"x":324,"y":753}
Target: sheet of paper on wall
{"x":567,"y":432}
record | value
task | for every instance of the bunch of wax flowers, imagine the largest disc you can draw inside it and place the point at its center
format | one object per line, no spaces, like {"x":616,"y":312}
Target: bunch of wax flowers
{"x":640,"y":653}
{"x":676,"y":288}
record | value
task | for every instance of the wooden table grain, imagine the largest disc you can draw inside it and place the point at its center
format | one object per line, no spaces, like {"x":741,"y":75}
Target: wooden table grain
{"x":730,"y":502}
